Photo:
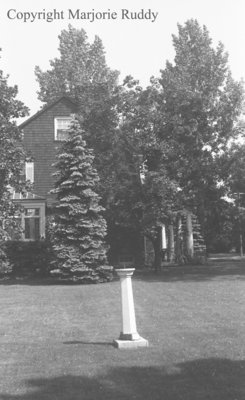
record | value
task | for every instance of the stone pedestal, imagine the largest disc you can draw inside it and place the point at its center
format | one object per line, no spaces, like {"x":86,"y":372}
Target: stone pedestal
{"x":129,"y":337}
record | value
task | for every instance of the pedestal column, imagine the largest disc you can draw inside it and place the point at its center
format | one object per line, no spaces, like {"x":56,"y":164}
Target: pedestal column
{"x":129,"y":337}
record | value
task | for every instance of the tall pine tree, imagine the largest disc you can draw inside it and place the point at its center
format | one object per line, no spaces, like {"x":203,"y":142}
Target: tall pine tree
{"x":79,"y":228}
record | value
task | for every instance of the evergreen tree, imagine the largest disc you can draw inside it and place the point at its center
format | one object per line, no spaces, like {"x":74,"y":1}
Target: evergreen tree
{"x":79,"y":228}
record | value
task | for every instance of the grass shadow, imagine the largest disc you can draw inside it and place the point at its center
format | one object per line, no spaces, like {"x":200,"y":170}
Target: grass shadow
{"x":202,"y":379}
{"x":219,"y":270}
{"x":214,"y":269}
{"x":42,"y":282}
{"x":90,"y":343}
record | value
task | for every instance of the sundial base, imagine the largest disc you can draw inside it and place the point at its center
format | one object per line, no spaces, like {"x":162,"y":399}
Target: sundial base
{"x":131,"y":344}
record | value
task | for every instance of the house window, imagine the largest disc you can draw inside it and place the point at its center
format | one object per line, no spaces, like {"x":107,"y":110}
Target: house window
{"x":61,"y":127}
{"x":32,"y":224}
{"x":29,"y":171}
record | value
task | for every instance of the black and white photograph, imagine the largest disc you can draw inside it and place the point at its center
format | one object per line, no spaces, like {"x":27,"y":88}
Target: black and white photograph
{"x":122,"y":200}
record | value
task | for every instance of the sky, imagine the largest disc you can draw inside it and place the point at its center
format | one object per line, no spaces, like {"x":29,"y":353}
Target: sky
{"x":139,"y":47}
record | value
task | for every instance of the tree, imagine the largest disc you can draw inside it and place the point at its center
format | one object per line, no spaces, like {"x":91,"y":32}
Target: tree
{"x":235,"y":166}
{"x":79,"y":228}
{"x":81,"y":72}
{"x":143,"y":196}
{"x":115,"y":122}
{"x":12,"y":155}
{"x":180,"y":127}
{"x":198,"y":105}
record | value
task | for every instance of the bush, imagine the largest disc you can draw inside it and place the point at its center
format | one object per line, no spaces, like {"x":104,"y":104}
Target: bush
{"x":5,"y":266}
{"x":220,"y":244}
{"x":87,"y":275}
{"x":26,"y":258}
{"x":18,"y":258}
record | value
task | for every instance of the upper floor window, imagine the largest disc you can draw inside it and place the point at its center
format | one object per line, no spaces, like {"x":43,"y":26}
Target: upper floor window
{"x":61,"y":127}
{"x":29,"y":171}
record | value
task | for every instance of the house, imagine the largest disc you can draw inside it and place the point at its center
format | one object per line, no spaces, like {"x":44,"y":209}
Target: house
{"x":43,"y":132}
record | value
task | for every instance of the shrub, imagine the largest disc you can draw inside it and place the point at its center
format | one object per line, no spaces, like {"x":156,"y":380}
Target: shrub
{"x":220,"y":244}
{"x":87,"y":275}
{"x":26,"y":258}
{"x":5,"y":266}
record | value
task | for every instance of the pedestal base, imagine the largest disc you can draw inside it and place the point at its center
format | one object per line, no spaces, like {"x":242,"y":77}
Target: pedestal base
{"x":131,"y":344}
{"x":129,"y":336}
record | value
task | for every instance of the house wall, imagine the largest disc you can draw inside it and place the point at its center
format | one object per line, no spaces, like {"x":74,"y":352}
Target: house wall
{"x":39,"y":143}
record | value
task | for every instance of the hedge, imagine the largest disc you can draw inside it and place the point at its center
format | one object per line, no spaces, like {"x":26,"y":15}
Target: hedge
{"x":29,"y":259}
{"x":25,"y":258}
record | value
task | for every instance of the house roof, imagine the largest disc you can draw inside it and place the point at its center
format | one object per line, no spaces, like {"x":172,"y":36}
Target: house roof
{"x":45,"y":108}
{"x":26,"y":196}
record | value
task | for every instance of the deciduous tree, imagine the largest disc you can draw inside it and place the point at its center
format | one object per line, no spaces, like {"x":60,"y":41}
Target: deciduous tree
{"x":199,"y":104}
{"x":12,"y":155}
{"x":81,"y":72}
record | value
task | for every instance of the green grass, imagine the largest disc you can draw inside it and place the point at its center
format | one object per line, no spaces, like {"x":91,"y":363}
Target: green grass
{"x":56,"y":340}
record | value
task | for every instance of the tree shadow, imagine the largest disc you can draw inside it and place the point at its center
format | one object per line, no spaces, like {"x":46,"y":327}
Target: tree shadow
{"x":202,"y":379}
{"x":223,"y":270}
{"x":25,"y":281}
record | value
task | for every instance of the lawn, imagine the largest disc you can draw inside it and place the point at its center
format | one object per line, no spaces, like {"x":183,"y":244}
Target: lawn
{"x":56,"y":340}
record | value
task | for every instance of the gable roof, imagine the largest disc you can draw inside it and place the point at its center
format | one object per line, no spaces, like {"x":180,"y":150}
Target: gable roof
{"x":45,"y":108}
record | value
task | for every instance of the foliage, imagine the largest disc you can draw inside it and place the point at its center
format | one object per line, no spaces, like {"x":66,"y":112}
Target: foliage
{"x":156,"y":150}
{"x":198,"y":106}
{"x":178,"y":130}
{"x":79,"y":228}
{"x":11,"y":154}
{"x":26,"y":258}
{"x":228,"y":215}
{"x":142,"y":196}
{"x":116,"y":125}
{"x":5,"y":266}
{"x":235,"y":167}
{"x":81,"y":72}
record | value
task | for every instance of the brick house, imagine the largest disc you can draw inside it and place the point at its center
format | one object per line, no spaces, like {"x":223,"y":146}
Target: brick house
{"x":43,"y":133}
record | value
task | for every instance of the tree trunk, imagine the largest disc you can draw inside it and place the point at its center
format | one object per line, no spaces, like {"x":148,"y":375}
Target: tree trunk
{"x":179,"y":250}
{"x":189,"y":236}
{"x":202,"y":217}
{"x":157,"y":251}
{"x":171,"y":243}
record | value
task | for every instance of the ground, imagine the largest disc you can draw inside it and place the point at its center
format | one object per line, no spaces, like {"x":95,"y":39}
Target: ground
{"x":56,"y":340}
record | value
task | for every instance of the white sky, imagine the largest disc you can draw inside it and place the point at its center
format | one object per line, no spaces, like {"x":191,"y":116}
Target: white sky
{"x":139,"y":48}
